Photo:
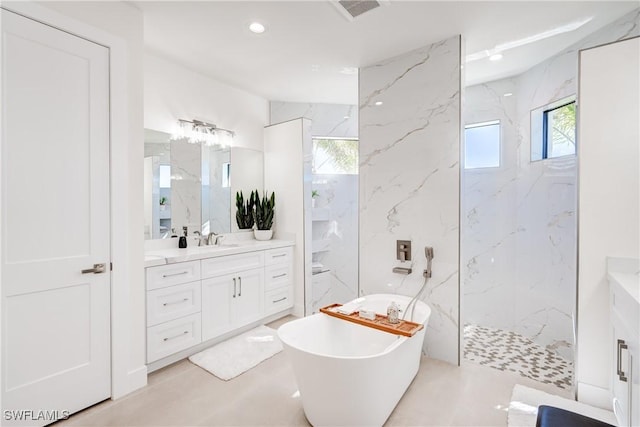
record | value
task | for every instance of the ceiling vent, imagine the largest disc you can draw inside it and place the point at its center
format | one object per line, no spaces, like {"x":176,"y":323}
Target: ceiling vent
{"x":352,"y":9}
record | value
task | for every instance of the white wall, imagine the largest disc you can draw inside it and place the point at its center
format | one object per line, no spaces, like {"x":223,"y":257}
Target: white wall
{"x":409,"y":181}
{"x":124,"y":22}
{"x":173,"y":92}
{"x":609,"y":196}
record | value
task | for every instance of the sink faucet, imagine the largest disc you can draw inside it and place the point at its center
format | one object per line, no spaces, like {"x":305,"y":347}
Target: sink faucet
{"x":214,"y":238}
{"x":202,"y":241}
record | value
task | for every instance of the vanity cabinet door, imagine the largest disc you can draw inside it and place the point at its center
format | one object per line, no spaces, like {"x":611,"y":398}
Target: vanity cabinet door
{"x":249,"y":302}
{"x":217,"y":295}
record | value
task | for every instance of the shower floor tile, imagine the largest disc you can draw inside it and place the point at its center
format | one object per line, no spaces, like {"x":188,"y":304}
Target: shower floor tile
{"x":509,"y":351}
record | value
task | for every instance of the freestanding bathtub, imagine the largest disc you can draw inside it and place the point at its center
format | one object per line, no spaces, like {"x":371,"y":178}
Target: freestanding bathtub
{"x":349,"y":374}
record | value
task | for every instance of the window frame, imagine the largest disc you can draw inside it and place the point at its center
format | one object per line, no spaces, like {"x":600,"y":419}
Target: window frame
{"x":545,"y":130}
{"x":538,"y":128}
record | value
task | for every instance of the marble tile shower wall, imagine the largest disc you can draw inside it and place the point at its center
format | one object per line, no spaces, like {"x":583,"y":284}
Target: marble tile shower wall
{"x":409,"y":181}
{"x":519,"y":222}
{"x":338,"y":193}
{"x":489,"y":226}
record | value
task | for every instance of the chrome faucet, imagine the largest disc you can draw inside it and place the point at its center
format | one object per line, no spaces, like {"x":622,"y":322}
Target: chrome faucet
{"x":214,"y":238}
{"x":202,"y":241}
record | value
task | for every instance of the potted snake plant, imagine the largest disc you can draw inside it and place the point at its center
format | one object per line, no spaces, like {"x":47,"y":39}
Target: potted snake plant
{"x":263,"y":213}
{"x":244,"y":210}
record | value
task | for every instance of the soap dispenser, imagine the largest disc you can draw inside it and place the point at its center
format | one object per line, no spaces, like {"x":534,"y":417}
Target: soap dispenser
{"x":392,"y":313}
{"x":182,"y":241}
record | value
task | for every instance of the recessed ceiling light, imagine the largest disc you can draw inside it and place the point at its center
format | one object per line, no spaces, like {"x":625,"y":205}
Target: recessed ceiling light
{"x":346,"y":117}
{"x":495,"y":57}
{"x":256,"y":27}
{"x":378,"y":103}
{"x":508,"y":94}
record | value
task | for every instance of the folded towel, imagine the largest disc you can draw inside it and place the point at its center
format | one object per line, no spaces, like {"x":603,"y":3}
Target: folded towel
{"x":349,"y":308}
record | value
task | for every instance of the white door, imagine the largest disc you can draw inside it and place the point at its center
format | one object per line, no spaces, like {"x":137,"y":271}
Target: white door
{"x":55,"y":219}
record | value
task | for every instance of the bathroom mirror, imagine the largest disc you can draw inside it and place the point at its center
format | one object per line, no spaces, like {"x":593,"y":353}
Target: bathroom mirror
{"x":157,"y":184}
{"x":196,"y":184}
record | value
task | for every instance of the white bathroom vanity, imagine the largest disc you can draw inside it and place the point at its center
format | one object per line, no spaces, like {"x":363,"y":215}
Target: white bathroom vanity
{"x":200,"y":295}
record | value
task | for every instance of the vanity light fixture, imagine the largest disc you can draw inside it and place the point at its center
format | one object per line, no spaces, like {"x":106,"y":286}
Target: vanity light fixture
{"x":495,"y":57}
{"x":256,"y":27}
{"x":507,"y":94}
{"x":378,"y":103}
{"x":199,"y":132}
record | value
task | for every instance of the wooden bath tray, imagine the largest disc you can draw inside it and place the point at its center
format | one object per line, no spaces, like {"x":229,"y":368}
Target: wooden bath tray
{"x":404,"y":327}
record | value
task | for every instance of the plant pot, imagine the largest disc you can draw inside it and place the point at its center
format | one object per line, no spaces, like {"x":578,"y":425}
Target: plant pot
{"x":313,"y":203}
{"x":263,"y":234}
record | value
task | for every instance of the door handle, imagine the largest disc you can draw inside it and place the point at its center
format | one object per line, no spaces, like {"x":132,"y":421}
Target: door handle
{"x":234,"y":287}
{"x":240,"y":286}
{"x":97,"y":269}
{"x":621,"y":346}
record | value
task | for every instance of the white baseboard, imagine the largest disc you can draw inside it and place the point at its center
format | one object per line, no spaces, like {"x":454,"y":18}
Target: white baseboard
{"x":595,"y":396}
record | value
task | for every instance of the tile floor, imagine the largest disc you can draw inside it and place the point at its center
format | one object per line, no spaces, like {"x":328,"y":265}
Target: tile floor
{"x":509,"y":351}
{"x":184,"y":395}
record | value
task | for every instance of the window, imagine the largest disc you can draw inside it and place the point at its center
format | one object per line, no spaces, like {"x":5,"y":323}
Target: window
{"x":559,"y":130}
{"x":553,"y":130}
{"x":482,"y":145}
{"x":335,"y":156}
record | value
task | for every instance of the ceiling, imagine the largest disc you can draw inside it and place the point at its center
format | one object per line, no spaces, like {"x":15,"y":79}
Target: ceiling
{"x":309,"y":50}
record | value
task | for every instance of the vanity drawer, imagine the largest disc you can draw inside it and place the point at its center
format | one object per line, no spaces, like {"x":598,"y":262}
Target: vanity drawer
{"x":278,"y":256}
{"x":220,"y":266}
{"x":172,"y":302}
{"x":171,"y":337}
{"x":172,"y":274}
{"x":277,"y":276}
{"x":278,"y":300}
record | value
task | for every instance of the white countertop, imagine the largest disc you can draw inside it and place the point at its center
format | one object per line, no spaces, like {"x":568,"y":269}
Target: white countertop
{"x":172,"y":255}
{"x":625,"y":272}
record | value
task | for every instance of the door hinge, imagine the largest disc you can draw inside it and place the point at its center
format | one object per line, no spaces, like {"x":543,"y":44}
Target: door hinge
{"x":110,"y":266}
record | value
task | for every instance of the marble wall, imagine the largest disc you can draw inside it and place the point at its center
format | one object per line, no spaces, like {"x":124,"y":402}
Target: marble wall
{"x":519,"y":220}
{"x":335,"y":224}
{"x":409,"y":181}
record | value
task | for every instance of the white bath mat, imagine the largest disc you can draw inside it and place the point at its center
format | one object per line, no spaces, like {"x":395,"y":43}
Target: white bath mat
{"x":523,"y":409}
{"x":239,"y":354}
